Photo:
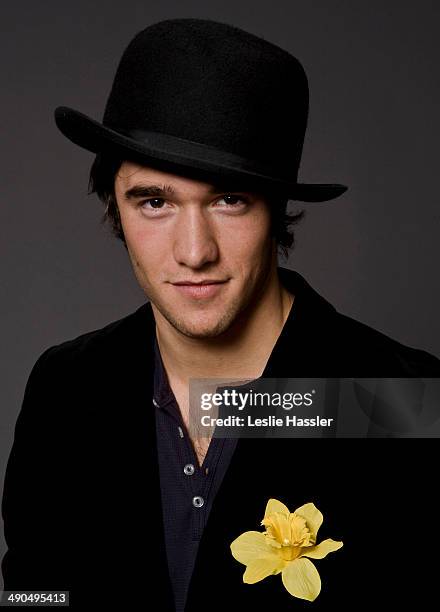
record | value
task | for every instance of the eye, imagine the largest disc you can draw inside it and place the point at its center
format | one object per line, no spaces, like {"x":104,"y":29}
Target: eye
{"x":231,"y":200}
{"x":156,"y":203}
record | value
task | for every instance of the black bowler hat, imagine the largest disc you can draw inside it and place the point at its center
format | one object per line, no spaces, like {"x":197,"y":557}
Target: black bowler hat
{"x":207,"y":96}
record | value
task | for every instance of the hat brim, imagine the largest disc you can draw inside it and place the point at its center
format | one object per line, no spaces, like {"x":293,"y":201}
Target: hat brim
{"x":153,"y":146}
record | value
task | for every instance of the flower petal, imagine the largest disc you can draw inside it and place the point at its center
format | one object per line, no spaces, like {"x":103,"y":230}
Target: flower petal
{"x":321,"y":550}
{"x":312,"y":516}
{"x":258,"y":569}
{"x":301,"y":579}
{"x":249,"y":546}
{"x":273,"y":505}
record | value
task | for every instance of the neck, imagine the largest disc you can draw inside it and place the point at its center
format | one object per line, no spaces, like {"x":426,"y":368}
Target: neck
{"x":241,"y":352}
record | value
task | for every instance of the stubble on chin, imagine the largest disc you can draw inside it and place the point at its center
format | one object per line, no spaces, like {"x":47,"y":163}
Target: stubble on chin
{"x":196,"y":327}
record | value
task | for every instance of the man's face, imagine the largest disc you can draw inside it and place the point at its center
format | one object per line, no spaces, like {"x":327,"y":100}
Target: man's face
{"x":179,"y":230}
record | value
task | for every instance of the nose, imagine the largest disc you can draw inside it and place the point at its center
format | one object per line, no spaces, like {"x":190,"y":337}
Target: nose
{"x":195,"y":243}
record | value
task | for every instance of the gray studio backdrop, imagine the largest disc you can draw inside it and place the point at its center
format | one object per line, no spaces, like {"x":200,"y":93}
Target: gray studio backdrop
{"x":373,"y":125}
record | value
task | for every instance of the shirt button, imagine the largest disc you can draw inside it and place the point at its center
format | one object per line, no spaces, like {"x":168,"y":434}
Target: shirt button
{"x":198,"y":501}
{"x":188,"y":469}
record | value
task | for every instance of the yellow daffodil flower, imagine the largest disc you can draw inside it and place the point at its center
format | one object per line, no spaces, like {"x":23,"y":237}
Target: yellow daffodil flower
{"x":290,"y":538}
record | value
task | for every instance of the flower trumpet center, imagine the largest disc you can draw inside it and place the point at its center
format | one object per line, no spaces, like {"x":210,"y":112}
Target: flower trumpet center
{"x":289,"y":534}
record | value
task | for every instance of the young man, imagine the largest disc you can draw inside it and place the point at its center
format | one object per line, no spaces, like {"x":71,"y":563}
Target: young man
{"x":208,"y":264}
{"x":106,"y":493}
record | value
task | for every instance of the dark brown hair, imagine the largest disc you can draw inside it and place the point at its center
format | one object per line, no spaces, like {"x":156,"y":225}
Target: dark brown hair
{"x":101,"y":181}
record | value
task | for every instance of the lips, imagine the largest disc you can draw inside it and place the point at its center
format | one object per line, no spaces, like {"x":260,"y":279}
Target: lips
{"x":204,"y":282}
{"x":202,"y":290}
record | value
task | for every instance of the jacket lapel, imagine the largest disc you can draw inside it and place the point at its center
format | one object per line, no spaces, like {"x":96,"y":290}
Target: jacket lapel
{"x":119,"y":487}
{"x":260,"y":469}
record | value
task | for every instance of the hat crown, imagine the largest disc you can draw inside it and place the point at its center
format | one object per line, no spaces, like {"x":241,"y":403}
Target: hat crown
{"x":214,"y":84}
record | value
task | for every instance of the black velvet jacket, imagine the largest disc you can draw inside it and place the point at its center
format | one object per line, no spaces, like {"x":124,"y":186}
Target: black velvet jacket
{"x":81,"y":504}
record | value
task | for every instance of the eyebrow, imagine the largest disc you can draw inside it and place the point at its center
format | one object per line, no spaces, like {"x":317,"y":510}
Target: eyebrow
{"x":143,"y":190}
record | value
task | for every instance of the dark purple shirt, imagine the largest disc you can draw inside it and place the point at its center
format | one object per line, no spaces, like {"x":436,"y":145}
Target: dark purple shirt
{"x":187,"y":490}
